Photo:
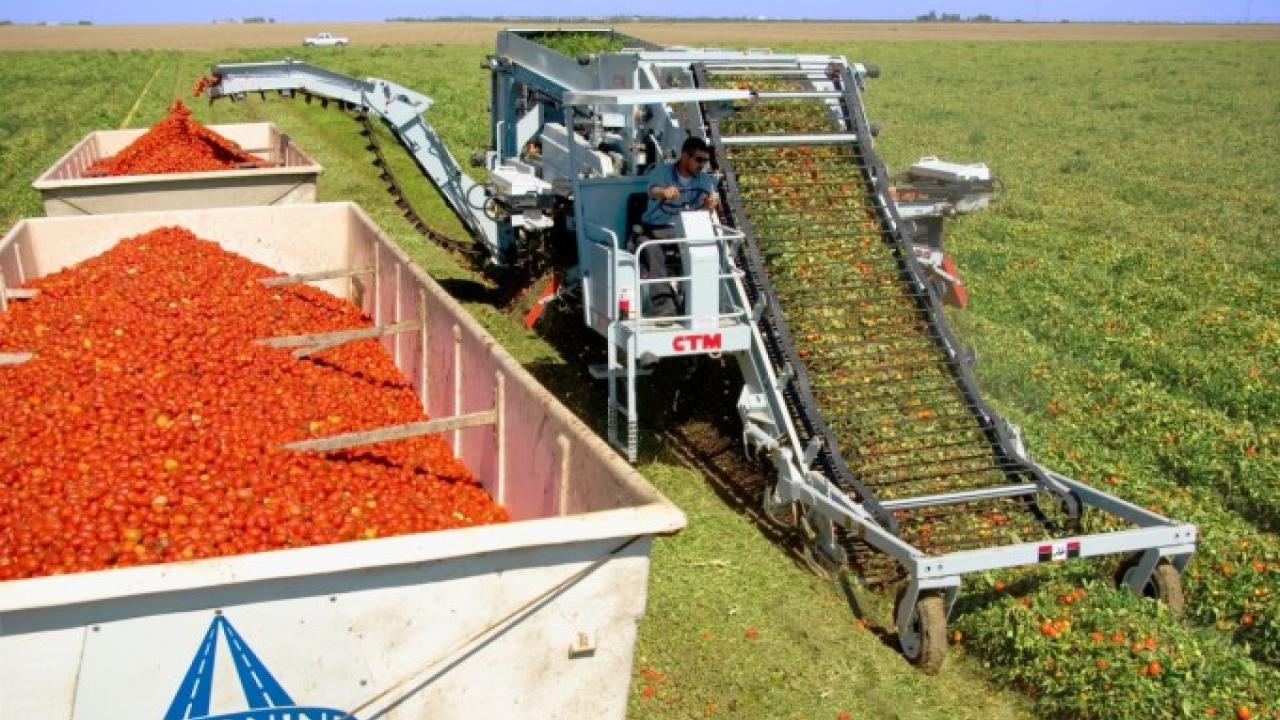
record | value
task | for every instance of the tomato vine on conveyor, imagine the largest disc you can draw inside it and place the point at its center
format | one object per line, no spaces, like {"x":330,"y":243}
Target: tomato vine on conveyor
{"x":865,"y":329}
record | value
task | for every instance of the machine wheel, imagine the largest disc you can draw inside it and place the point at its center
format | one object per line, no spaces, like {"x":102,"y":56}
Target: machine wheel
{"x":1071,"y":523}
{"x":817,"y":558}
{"x":925,"y":642}
{"x":786,"y":515}
{"x":831,"y":565}
{"x":1165,"y":584}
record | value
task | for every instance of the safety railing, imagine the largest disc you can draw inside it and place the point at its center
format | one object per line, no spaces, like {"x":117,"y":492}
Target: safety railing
{"x":727,"y":241}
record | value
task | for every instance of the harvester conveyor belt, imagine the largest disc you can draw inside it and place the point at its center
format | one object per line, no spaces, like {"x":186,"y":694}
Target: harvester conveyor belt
{"x":876,"y":376}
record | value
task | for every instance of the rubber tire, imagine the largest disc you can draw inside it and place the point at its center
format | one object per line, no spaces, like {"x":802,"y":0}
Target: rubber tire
{"x":817,"y":560}
{"x":931,"y":611}
{"x":829,"y":565}
{"x":1165,"y":584}
{"x":1072,"y":525}
{"x":819,"y":557}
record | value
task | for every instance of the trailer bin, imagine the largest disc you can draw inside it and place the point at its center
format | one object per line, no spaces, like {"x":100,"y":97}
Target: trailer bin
{"x":532,"y":618}
{"x":66,"y":191}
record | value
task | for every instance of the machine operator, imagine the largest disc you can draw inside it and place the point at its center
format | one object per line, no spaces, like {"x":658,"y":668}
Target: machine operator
{"x":674,"y":187}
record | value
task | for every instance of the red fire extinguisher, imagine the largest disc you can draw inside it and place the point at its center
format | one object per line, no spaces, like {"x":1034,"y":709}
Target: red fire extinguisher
{"x":624,"y":304}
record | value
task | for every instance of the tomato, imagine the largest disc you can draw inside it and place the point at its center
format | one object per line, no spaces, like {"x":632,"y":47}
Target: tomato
{"x":161,"y":442}
{"x":175,"y":144}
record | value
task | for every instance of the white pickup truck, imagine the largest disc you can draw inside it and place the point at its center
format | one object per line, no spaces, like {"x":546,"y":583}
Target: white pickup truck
{"x":324,"y":39}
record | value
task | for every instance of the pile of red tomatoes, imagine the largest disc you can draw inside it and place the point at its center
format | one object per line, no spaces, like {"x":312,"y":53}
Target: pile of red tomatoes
{"x":148,"y":426}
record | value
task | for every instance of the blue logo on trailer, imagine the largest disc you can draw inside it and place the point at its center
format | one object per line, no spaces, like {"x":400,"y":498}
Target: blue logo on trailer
{"x":266,"y":699}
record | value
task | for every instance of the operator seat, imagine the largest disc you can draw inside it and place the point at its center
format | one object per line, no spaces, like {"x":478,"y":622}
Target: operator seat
{"x":636,"y":204}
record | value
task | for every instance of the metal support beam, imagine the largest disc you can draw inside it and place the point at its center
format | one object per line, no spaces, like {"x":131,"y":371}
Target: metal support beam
{"x":330,"y":339}
{"x":799,"y":95}
{"x":394,"y":432}
{"x":297,"y":278}
{"x":810,"y":139}
{"x":400,"y":107}
{"x":956,"y":498}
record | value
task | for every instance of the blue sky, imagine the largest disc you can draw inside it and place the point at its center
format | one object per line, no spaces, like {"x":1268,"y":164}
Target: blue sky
{"x":141,"y":11}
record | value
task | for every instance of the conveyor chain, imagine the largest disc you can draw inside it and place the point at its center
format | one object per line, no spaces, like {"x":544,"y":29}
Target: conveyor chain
{"x":474,"y":254}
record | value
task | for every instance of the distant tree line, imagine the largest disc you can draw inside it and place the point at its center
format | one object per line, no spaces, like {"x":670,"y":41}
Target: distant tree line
{"x":43,"y":23}
{"x":256,"y":20}
{"x":932,"y":16}
{"x":609,"y":19}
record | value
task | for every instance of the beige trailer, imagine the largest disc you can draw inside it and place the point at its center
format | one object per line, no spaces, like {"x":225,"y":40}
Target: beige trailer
{"x":532,"y":618}
{"x":66,"y":191}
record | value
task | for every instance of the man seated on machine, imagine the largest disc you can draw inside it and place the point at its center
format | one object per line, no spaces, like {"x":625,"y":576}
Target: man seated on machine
{"x":674,"y":187}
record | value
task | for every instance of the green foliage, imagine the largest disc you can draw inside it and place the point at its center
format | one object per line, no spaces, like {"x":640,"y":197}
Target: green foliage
{"x":1124,"y":286}
{"x":53,"y":105}
{"x":575,"y":44}
{"x":1084,"y":650}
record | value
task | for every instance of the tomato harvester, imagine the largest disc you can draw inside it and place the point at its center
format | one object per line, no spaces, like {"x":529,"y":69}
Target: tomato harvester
{"x":942,"y":494}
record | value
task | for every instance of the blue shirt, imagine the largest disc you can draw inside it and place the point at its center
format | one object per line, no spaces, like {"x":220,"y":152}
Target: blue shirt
{"x":693,"y":193}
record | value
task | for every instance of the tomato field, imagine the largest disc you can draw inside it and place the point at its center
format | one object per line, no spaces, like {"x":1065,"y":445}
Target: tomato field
{"x":1124,"y":310}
